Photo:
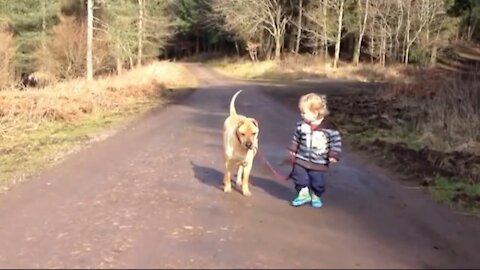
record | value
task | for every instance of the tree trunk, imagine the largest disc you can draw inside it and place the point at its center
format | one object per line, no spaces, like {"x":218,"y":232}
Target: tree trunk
{"x":384,"y":47}
{"x":205,"y":47}
{"x":390,"y":49}
{"x":119,"y":66}
{"x":407,"y":52}
{"x":90,"y":40}
{"x":197,"y":42}
{"x":237,"y":48}
{"x":299,"y":32}
{"x":407,"y":34}
{"x":361,"y":32}
{"x":315,"y":49}
{"x":339,"y":34}
{"x":325,"y":37}
{"x":380,"y":48}
{"x":279,"y":32}
{"x":397,"y":33}
{"x":292,"y":41}
{"x":470,"y":27}
{"x":357,"y":50}
{"x":278,"y":47}
{"x":269,"y":48}
{"x":140,"y":32}
{"x":372,"y":41}
{"x":44,"y":22}
{"x":433,"y":55}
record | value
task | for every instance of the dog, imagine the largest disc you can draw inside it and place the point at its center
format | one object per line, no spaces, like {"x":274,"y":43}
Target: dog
{"x":240,"y":143}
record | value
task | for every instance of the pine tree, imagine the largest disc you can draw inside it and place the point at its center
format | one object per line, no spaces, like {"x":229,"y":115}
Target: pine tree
{"x":31,"y":21}
{"x":122,"y":24}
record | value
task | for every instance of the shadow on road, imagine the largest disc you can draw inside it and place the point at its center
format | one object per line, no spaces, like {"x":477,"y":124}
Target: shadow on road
{"x":214,"y":178}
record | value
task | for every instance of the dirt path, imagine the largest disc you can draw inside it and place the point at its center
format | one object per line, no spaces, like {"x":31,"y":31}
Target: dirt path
{"x":150,"y":197}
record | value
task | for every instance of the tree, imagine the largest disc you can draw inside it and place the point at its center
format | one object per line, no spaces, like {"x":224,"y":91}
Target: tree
{"x":30,"y":21}
{"x":363,"y":8}
{"x":141,"y":10}
{"x":442,"y":30}
{"x":249,"y":18}
{"x":469,"y":13}
{"x":136,"y":29}
{"x":339,"y":8}
{"x":156,"y":27}
{"x":326,"y":23}
{"x":190,"y":18}
{"x":382,"y":18}
{"x":89,"y":40}
{"x":420,"y":15}
{"x":122,"y":31}
{"x":318,"y":24}
{"x":299,"y":26}
{"x":399,"y":15}
{"x":6,"y":54}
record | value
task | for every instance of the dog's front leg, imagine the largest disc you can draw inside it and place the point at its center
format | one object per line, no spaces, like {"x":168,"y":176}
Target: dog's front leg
{"x":246,"y":173}
{"x":227,"y":177}
{"x":239,"y":175}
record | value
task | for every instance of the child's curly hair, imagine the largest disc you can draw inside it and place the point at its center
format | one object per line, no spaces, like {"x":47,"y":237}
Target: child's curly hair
{"x":314,"y":103}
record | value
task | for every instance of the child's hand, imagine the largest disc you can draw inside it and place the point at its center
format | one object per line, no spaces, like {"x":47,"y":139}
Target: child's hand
{"x":292,"y":156}
{"x":332,"y":160}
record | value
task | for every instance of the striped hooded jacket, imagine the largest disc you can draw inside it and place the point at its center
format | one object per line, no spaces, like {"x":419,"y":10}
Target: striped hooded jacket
{"x":313,"y":146}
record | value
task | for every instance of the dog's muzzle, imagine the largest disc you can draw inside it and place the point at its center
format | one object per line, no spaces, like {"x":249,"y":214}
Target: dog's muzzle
{"x":249,"y":145}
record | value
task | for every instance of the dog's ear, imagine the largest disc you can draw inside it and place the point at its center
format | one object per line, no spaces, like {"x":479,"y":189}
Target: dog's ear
{"x":240,"y":123}
{"x":254,"y":121}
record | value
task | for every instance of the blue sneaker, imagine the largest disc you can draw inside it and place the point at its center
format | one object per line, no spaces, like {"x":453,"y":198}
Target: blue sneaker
{"x":302,"y":198}
{"x":316,"y":202}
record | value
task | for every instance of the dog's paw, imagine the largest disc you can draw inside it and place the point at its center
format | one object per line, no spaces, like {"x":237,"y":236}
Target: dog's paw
{"x":227,"y":189}
{"x":246,"y":193}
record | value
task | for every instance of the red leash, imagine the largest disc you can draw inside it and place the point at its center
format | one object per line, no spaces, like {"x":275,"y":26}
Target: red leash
{"x":274,"y":172}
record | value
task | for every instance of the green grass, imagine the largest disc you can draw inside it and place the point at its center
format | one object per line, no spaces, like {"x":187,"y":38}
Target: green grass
{"x":403,"y":135}
{"x":397,"y":135}
{"x":30,"y":147}
{"x":457,"y":193}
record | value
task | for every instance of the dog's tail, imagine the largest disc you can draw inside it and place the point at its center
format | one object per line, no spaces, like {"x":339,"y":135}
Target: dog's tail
{"x":232,"y":103}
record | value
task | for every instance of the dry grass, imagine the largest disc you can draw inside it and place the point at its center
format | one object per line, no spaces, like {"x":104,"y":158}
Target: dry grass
{"x":455,"y":113}
{"x":70,"y":100}
{"x":64,"y":53}
{"x":451,"y":106}
{"x":304,"y":67}
{"x":36,"y":125}
{"x":439,"y":109}
{"x":7,"y":52}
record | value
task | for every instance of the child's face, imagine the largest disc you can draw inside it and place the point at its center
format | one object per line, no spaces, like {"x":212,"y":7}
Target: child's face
{"x":308,"y":115}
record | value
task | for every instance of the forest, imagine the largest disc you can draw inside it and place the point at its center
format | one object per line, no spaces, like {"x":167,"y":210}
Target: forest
{"x":64,"y":39}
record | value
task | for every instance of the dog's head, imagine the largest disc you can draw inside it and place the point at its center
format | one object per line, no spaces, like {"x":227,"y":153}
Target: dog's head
{"x":247,"y":132}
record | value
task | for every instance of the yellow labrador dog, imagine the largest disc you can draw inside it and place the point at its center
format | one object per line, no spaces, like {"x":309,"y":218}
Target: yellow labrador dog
{"x":240,"y":143}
